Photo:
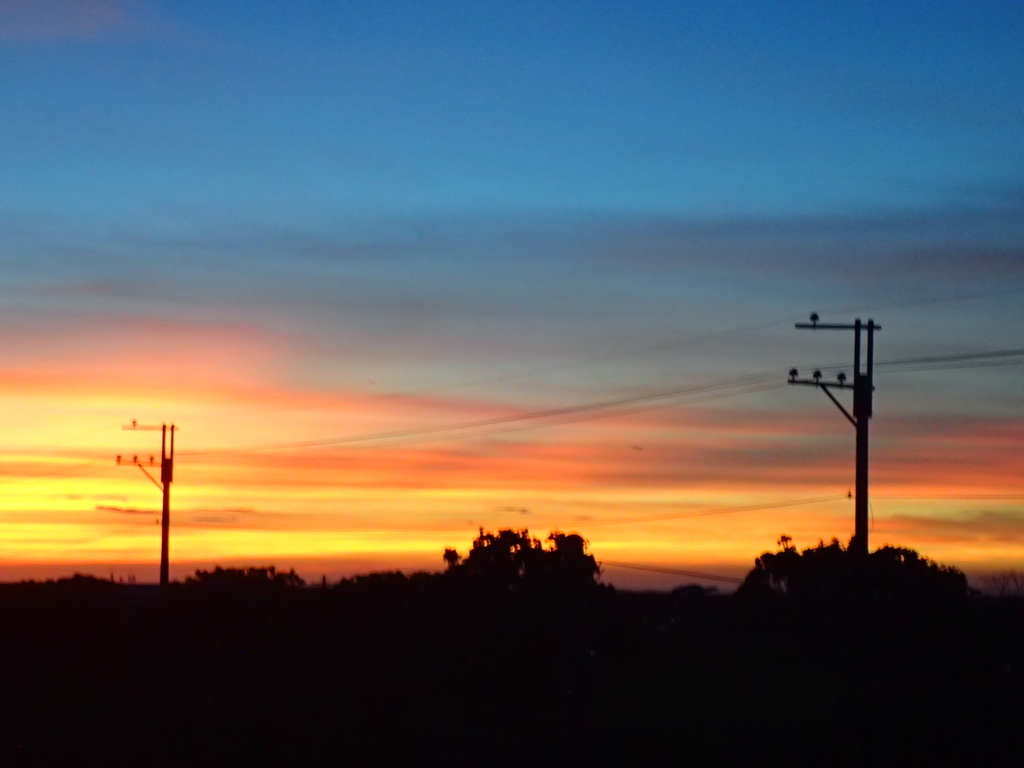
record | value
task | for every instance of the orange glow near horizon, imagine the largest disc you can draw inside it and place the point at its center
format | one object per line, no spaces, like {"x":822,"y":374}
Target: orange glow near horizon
{"x":373,"y":504}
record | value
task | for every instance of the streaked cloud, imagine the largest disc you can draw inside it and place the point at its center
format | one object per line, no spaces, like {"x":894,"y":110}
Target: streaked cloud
{"x":125,"y":510}
{"x":67,"y":19}
{"x":968,"y":530}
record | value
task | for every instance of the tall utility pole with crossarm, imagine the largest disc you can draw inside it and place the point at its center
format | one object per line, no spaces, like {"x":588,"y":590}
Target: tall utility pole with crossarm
{"x":863,"y":394}
{"x":166,"y":478}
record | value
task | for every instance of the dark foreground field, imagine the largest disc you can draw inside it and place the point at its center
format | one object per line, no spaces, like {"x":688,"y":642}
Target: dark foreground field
{"x":498,"y":664}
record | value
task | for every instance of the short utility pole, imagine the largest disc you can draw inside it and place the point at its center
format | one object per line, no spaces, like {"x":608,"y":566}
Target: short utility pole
{"x":863,"y":394}
{"x":164,"y":484}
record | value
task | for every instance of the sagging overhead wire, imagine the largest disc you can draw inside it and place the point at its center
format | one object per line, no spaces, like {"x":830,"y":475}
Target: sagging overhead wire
{"x":928,"y":300}
{"x":572,"y":419}
{"x":716,"y":511}
{"x":583,"y":362}
{"x":749,"y":384}
{"x":568,"y":414}
{"x":955,"y":497}
{"x":955,"y":361}
{"x":740,"y":385}
{"x":674,"y":571}
{"x":64,"y":471}
{"x":605,"y":357}
{"x":991,"y":359}
{"x":119,"y":530}
{"x":547,"y":417}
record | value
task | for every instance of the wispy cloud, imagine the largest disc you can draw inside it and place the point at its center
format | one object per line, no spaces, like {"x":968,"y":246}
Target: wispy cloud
{"x":125,"y":510}
{"x":980,"y":528}
{"x":199,"y":516}
{"x":67,"y":19}
{"x":516,"y":510}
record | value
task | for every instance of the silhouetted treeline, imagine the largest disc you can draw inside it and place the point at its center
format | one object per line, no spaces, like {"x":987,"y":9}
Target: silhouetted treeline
{"x":516,"y":654}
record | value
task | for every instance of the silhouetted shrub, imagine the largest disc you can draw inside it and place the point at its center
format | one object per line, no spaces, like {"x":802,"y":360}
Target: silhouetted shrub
{"x":832,"y":572}
{"x":1009,"y":584}
{"x":245,"y":578}
{"x":514,"y":560}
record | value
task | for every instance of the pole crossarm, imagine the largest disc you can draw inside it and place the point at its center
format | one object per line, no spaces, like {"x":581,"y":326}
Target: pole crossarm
{"x":136,"y":463}
{"x":813,"y":383}
{"x":836,"y":326}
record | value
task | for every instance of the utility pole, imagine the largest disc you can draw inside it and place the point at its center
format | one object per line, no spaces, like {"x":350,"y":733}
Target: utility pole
{"x":164,"y":484}
{"x":863,"y":395}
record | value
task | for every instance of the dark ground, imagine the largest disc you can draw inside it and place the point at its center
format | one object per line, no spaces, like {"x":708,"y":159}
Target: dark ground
{"x":451,"y":670}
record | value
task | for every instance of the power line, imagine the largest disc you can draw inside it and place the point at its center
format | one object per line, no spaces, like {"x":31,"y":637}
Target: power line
{"x":569,"y":419}
{"x":959,"y":497}
{"x":713,"y":511}
{"x":963,"y":356}
{"x":60,"y":472}
{"x":928,"y":300}
{"x":120,"y":529}
{"x":678,"y":344}
{"x":674,"y":571}
{"x":954,"y":361}
{"x":580,"y":363}
{"x":749,"y":384}
{"x":571,"y":414}
{"x":741,"y":383}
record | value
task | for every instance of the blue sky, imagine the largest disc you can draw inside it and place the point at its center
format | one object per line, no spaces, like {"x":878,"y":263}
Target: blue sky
{"x":404,"y":128}
{"x":315,"y":112}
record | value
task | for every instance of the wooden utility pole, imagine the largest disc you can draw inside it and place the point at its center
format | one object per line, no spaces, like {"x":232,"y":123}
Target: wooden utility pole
{"x":863,"y":396}
{"x":164,"y":484}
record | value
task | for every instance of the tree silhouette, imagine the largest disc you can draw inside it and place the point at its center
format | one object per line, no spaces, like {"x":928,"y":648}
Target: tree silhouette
{"x":832,"y":571}
{"x":241,"y":578}
{"x":451,"y":558}
{"x":514,"y":560}
{"x":1009,"y":584}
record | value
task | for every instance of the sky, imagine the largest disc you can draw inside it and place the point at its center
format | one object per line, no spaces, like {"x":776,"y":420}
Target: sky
{"x":347,"y":246}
